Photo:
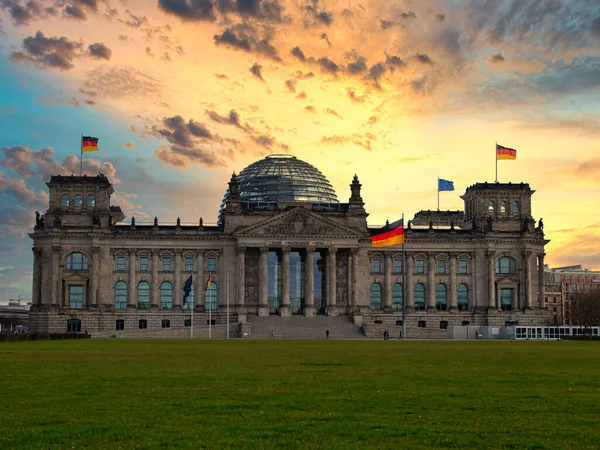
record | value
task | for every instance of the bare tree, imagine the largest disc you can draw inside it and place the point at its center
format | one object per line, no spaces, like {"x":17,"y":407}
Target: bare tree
{"x":585,"y":311}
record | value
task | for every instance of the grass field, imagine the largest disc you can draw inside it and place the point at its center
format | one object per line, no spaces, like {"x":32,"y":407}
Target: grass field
{"x":299,"y":394}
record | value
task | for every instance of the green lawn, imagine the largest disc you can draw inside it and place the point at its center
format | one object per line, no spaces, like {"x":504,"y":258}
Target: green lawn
{"x":299,"y":394}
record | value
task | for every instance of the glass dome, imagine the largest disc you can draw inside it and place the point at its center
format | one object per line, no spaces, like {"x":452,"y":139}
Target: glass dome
{"x":282,"y":178}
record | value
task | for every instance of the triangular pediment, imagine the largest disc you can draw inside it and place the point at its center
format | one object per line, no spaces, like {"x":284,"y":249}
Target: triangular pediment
{"x":75,"y":276}
{"x":299,"y":222}
{"x":506,"y":280}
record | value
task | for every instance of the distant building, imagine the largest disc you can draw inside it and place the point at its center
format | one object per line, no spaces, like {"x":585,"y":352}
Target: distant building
{"x":284,"y":245}
{"x":14,"y":317}
{"x":563,"y":285}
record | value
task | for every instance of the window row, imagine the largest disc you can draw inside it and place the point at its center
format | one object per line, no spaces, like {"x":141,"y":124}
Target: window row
{"x":74,"y":325}
{"x":65,"y":201}
{"x":165,"y":296}
{"x":167,"y":264}
{"x":441,"y":297}
{"x":442,"y":266}
{"x":503,"y":207}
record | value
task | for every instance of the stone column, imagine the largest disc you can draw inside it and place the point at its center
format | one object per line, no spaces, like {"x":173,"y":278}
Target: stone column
{"x":491,"y":279}
{"x":263,"y":279}
{"x":408,"y":279}
{"x":155,"y":295}
{"x":200,"y":281}
{"x":94,"y":288}
{"x":354,"y":280}
{"x":527,"y":281}
{"x":541,"y":286}
{"x":387,"y":283}
{"x":452,"y":284}
{"x":178,"y":294}
{"x":36,"y":298}
{"x":309,"y":280}
{"x":241,"y":280}
{"x":332,"y":282}
{"x":431,"y":283}
{"x":56,"y":282}
{"x":132,"y":285}
{"x":284,"y":308}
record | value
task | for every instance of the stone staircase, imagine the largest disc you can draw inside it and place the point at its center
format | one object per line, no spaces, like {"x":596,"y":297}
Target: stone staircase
{"x":300,"y":327}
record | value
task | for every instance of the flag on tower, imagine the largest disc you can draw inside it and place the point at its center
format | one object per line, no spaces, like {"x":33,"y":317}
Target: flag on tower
{"x":505,"y":152}
{"x":89,"y":144}
{"x":445,"y":185}
{"x":391,"y":237}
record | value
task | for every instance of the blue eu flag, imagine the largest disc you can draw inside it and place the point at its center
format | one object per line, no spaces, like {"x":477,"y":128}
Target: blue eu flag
{"x":187,"y":288}
{"x":445,"y":185}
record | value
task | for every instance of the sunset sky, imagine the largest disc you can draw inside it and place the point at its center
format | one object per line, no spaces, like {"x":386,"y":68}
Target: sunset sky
{"x":182,"y":93}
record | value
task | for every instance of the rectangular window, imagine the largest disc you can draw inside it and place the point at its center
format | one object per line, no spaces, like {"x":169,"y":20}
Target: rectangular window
{"x":420,"y":265}
{"x":375,"y":265}
{"x":463,"y":266}
{"x":166,"y":264}
{"x":212,"y":264}
{"x":506,"y":299}
{"x":189,"y":264}
{"x":465,"y":323}
{"x":187,"y":323}
{"x":143,"y":324}
{"x":443,"y":325}
{"x":143,"y":263}
{"x":441,"y":266}
{"x":76,"y":296}
{"x":121,"y":264}
{"x":422,"y":324}
{"x":397,"y":266}
{"x":120,"y":325}
{"x":74,"y":326}
{"x":166,"y":323}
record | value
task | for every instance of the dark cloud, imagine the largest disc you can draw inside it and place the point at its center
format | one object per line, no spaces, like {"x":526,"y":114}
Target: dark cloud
{"x":75,"y":12}
{"x":310,"y":109}
{"x":389,"y":23}
{"x":99,"y":50}
{"x":496,"y":59}
{"x":376,"y":71}
{"x":328,"y":65}
{"x":313,"y":9}
{"x":325,"y":38}
{"x":22,"y":13}
{"x":595,"y":27}
{"x":233,"y":118}
{"x":298,"y":53}
{"x":48,"y":52}
{"x":193,"y":10}
{"x":256,"y":71}
{"x":197,"y":10}
{"x":440,"y":17}
{"x":247,"y":38}
{"x":347,"y":13}
{"x":423,"y":58}
{"x":394,"y":61}
{"x":291,"y":85}
{"x":358,"y":66}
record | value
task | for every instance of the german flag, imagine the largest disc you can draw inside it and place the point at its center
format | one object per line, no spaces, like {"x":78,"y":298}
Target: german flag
{"x":394,"y":236}
{"x":89,"y":144}
{"x":505,"y":152}
{"x":206,"y":286}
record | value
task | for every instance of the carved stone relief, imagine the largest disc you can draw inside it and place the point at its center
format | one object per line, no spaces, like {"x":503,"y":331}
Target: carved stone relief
{"x":342,"y":277}
{"x":298,"y":224}
{"x":252,"y":257}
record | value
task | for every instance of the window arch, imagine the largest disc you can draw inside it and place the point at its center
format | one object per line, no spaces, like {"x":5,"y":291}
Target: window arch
{"x":397,"y":297}
{"x":143,"y":295}
{"x":506,"y":264}
{"x":491,"y":206}
{"x":78,"y":202}
{"x":441,"y":297}
{"x":120,"y":295}
{"x":64,"y":201}
{"x":77,"y":261}
{"x":211,"y":297}
{"x":515,"y":207}
{"x":419,"y":297}
{"x":375,"y":297}
{"x":91,"y":201}
{"x":166,"y":295}
{"x":503,"y":207}
{"x":463,"y":297}
{"x":191,"y":299}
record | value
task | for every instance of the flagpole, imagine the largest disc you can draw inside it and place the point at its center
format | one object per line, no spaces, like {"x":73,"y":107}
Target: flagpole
{"x":192,"y":320}
{"x":438,"y":189}
{"x":496,"y":156}
{"x":81,"y":158}
{"x":209,"y":313}
{"x":404,"y":283}
{"x":227,"y":295}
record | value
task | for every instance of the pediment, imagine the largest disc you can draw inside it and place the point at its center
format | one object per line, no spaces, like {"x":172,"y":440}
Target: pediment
{"x":464,"y":256}
{"x":75,"y":276}
{"x":506,"y":280}
{"x":441,"y":256}
{"x":298,"y":222}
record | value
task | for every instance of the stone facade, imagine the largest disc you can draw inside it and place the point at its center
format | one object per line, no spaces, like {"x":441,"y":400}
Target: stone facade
{"x":92,"y":272}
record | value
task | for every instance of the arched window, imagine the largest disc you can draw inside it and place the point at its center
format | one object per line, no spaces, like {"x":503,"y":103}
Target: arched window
{"x":419,"y":297}
{"x":515,"y":207}
{"x":375,"y":297}
{"x":397,"y":295}
{"x":503,"y":207}
{"x":64,"y":201}
{"x":77,"y":261}
{"x":120,"y":295}
{"x":441,"y":297}
{"x":166,"y":295}
{"x":143,"y":295}
{"x":190,"y":299}
{"x":491,"y":208}
{"x":74,"y":326}
{"x":78,"y":203}
{"x":91,"y":201}
{"x":463,"y":297}
{"x":506,"y":264}
{"x":211,"y":297}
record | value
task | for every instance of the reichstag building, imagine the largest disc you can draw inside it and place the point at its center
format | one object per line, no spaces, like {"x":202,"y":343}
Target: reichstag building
{"x":284,"y":245}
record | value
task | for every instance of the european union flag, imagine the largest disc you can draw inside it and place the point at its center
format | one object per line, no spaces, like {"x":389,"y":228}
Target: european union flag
{"x":445,"y":185}
{"x":187,"y":288}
